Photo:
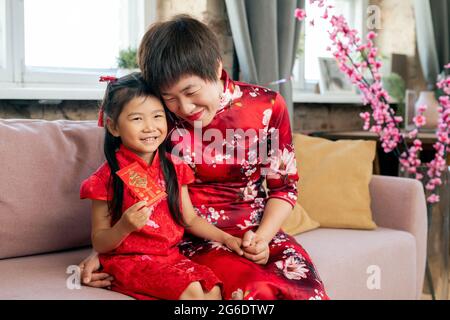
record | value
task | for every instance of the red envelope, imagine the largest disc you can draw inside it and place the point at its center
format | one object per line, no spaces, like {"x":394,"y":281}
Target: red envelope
{"x":142,"y":185}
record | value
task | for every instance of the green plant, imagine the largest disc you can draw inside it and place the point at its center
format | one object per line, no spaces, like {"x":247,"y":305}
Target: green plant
{"x":396,"y":87}
{"x":127,"y":59}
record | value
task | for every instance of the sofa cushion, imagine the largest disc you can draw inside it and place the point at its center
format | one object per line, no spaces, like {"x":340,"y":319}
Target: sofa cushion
{"x":42,"y":166}
{"x":334,"y":181}
{"x":299,"y":221}
{"x":346,"y":260}
{"x":45,"y":276}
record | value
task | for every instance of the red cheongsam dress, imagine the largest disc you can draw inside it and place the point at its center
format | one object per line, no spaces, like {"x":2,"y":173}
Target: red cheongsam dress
{"x":248,"y":141}
{"x":148,"y":264}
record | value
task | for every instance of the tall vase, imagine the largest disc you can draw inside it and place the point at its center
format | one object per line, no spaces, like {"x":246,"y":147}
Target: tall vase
{"x":432,"y":115}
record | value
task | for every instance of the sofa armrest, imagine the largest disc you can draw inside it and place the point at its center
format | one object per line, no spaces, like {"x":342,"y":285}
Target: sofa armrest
{"x":399,"y":203}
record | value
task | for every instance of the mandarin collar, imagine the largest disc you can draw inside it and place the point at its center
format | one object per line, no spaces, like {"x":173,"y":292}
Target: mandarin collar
{"x":228,"y":84}
{"x":130,"y":157}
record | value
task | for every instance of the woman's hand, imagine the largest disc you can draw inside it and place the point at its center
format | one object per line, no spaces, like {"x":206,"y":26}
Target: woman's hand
{"x":89,"y":273}
{"x":234,"y":244}
{"x":256,"y":248}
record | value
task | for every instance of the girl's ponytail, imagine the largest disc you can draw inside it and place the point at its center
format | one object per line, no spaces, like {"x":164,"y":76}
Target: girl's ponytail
{"x":172,"y":190}
{"x":110,"y":146}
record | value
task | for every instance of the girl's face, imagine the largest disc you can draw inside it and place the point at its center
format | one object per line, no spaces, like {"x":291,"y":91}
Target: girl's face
{"x":194,"y":99}
{"x":142,"y":126}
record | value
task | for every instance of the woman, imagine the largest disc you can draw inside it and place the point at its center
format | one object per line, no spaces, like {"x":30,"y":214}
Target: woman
{"x":234,"y":135}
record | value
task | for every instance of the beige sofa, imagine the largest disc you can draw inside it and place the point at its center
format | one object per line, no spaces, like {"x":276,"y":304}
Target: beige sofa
{"x":45,"y":228}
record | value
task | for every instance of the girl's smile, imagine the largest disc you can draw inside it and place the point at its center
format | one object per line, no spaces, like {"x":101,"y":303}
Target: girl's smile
{"x":142,"y":126}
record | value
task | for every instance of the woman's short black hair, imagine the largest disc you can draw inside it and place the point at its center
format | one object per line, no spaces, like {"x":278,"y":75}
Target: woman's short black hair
{"x":181,"y":46}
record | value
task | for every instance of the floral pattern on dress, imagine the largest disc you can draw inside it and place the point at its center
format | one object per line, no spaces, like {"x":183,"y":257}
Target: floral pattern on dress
{"x":234,"y":189}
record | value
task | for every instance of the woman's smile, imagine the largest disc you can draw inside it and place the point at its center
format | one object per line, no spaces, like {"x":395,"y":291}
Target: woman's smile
{"x":196,"y":115}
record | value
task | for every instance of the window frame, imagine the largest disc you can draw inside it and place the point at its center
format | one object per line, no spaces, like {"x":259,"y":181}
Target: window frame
{"x":18,"y":81}
{"x":303,"y":86}
{"x":6,"y":71}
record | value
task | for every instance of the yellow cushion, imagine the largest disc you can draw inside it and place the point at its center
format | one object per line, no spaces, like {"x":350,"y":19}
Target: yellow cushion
{"x":334,"y":181}
{"x":299,"y":222}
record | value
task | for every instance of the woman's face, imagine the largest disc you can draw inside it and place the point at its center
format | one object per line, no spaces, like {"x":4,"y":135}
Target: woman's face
{"x":194,"y":99}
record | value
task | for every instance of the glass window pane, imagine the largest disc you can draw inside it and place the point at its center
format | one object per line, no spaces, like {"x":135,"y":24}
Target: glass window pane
{"x":316,"y":37}
{"x":2,"y":33}
{"x":74,"y":33}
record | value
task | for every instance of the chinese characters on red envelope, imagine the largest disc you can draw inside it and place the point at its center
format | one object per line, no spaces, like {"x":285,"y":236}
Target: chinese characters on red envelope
{"x":146,"y":188}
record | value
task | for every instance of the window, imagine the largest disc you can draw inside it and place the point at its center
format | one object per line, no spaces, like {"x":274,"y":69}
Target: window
{"x":5,"y":72}
{"x":55,"y":41}
{"x":315,"y":39}
{"x":66,"y":43}
{"x":2,"y":35}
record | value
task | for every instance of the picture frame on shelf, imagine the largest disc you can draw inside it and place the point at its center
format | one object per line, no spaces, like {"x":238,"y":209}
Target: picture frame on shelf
{"x":332,"y":79}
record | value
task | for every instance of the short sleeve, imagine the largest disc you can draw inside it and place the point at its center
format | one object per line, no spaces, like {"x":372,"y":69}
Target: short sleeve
{"x":94,"y":188}
{"x":185,"y":174}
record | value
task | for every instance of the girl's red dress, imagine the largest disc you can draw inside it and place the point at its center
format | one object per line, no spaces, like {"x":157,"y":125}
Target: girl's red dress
{"x":228,"y":191}
{"x":148,"y":264}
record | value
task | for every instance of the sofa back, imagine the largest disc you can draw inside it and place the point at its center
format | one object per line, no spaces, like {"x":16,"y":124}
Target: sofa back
{"x":42,"y":164}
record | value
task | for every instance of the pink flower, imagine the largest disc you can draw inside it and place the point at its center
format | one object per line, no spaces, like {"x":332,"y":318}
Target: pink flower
{"x":447,"y":66}
{"x":422,"y":108}
{"x":292,"y":269}
{"x":300,"y":14}
{"x":419,"y":121}
{"x":417,"y":143}
{"x":365,"y":116}
{"x":371,"y":35}
{"x":443,"y":138}
{"x":433,"y":198}
{"x":413,"y":134}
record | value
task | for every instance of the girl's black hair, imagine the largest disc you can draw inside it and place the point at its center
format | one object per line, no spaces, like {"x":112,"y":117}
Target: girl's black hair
{"x":117,"y":95}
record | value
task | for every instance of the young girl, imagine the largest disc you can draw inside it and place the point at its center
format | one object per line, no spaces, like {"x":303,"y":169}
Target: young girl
{"x":137,"y":242}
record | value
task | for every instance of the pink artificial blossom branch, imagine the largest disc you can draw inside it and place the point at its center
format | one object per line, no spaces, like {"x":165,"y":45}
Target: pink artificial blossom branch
{"x":382,"y":120}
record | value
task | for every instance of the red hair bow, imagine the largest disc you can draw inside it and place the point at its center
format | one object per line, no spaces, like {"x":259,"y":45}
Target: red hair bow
{"x":108,"y":79}
{"x":101,"y":113}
